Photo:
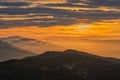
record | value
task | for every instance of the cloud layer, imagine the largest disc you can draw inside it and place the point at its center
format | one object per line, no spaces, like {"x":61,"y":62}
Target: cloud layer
{"x":19,"y":13}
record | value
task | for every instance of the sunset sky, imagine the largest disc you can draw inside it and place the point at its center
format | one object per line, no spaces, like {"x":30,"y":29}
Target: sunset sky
{"x":75,"y":23}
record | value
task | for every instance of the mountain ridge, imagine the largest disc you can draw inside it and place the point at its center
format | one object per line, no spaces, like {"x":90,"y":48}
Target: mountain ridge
{"x":7,"y":52}
{"x":57,"y":65}
{"x":31,"y":45}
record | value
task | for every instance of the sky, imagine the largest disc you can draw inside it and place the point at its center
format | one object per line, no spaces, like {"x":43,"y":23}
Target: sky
{"x":75,"y":24}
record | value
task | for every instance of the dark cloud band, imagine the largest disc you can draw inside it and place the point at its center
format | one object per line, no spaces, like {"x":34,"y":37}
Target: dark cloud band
{"x":38,"y":15}
{"x":14,"y":4}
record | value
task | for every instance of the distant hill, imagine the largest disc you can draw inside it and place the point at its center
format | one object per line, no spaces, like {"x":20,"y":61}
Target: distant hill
{"x":31,"y":45}
{"x":8,"y":52}
{"x":66,"y":65}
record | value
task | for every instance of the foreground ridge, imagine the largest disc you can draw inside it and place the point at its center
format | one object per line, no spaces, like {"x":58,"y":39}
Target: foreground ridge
{"x":58,"y":65}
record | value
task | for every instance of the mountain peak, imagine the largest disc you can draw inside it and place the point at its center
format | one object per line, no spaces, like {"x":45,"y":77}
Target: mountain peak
{"x":52,"y":52}
{"x":75,"y":52}
{"x":68,"y":51}
{"x":33,"y":45}
{"x":71,"y":51}
{"x":19,"y":39}
{"x":14,"y":37}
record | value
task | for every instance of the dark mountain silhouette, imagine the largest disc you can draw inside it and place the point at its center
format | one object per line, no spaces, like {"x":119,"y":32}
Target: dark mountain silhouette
{"x":66,"y":65}
{"x":9,"y":52}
